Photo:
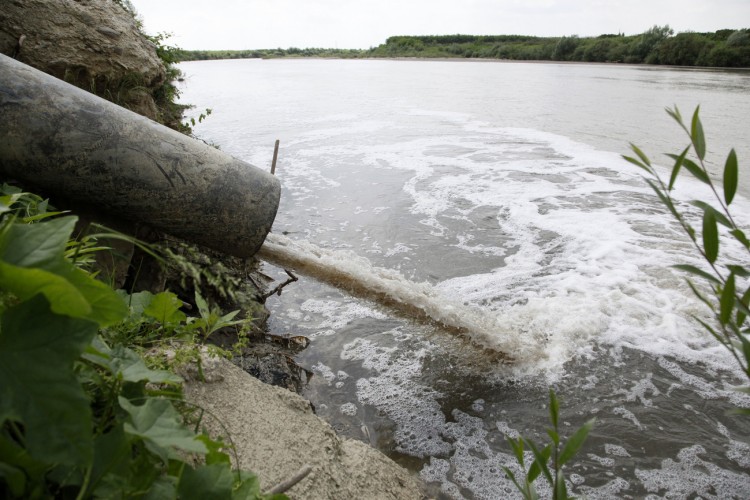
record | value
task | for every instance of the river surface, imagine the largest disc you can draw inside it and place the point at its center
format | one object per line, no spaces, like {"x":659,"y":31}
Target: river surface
{"x":499,"y":189}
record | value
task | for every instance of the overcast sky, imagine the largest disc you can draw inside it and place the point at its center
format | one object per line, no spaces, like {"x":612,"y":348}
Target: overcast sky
{"x":259,"y":24}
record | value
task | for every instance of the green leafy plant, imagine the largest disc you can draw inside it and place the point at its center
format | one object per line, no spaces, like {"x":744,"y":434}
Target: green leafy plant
{"x":81,"y":416}
{"x":206,"y":113}
{"x":721,"y":287}
{"x":556,"y":451}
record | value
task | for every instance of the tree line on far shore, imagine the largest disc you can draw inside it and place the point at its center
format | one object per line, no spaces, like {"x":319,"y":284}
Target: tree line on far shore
{"x":657,"y":45}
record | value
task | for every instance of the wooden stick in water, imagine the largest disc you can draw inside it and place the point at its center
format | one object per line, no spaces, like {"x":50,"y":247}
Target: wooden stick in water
{"x":275,"y":157}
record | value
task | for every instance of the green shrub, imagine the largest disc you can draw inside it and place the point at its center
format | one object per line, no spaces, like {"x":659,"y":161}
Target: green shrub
{"x":81,"y":416}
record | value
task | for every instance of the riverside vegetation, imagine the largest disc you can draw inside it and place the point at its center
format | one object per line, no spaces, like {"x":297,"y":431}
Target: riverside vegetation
{"x":657,"y":45}
{"x":87,"y":409}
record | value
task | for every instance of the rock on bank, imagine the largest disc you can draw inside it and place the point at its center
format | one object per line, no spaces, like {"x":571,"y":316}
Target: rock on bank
{"x":93,"y":44}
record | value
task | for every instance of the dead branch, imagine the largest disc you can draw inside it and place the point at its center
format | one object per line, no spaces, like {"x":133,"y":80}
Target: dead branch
{"x":279,"y":288}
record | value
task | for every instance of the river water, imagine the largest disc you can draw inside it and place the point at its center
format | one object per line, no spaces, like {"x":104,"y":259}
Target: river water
{"x":499,"y":190}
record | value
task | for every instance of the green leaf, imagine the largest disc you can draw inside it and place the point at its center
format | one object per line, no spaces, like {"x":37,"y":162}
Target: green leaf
{"x":698,"y":294}
{"x":739,"y":271}
{"x":32,"y":262}
{"x":37,"y":245}
{"x":640,"y":154}
{"x":534,"y":472}
{"x":517,"y":446}
{"x":137,"y":302}
{"x":730,"y":177}
{"x":745,"y":349}
{"x":14,"y":479}
{"x":697,"y":171}
{"x":38,"y":386}
{"x":107,"y":308}
{"x":554,"y":408}
{"x":720,"y":218}
{"x":11,"y":453}
{"x":161,"y":487}
{"x":637,"y":163}
{"x":677,"y":165}
{"x":112,"y":456}
{"x":561,"y":491}
{"x":740,"y":236}
{"x":203,"y":308}
{"x":208,"y":481}
{"x":674,"y":113}
{"x":165,"y":308}
{"x":696,"y":134}
{"x":710,"y":236}
{"x":698,"y":272}
{"x":214,"y":455}
{"x":512,"y":477}
{"x":249,"y":487}
{"x":727,"y":300}
{"x":64,"y":297}
{"x":554,"y":436}
{"x":541,"y":458}
{"x":741,"y":311}
{"x":127,"y":366}
{"x":573,"y":444}
{"x":161,"y":428}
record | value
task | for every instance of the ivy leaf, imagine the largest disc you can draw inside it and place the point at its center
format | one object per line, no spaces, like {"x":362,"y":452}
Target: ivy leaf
{"x":160,"y":426}
{"x":249,"y":488}
{"x":38,"y":386}
{"x":214,"y":455}
{"x":730,"y":177}
{"x":213,"y":481}
{"x":137,"y":302}
{"x":37,"y":245}
{"x":127,"y":366}
{"x":165,"y":308}
{"x":710,"y":236}
{"x":112,"y":455}
{"x":32,"y":262}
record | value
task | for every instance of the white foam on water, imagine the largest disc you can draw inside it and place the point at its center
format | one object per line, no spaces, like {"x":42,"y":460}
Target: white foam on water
{"x":357,"y":275}
{"x":580,"y":252}
{"x":585,"y":251}
{"x":690,"y":476}
{"x":615,"y":450}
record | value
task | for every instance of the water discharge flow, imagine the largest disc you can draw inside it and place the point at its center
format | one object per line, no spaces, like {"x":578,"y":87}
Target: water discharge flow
{"x":416,"y":301}
{"x":488,"y":205}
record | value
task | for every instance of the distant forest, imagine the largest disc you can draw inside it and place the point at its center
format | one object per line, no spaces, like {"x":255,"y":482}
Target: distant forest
{"x":658,"y":45}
